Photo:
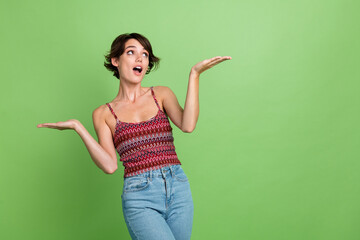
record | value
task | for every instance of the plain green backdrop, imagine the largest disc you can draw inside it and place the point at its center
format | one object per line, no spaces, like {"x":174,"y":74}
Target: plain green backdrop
{"x":275,"y":153}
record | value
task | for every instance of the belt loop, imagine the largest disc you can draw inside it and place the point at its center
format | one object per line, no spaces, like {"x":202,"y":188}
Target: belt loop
{"x":150,"y":175}
{"x":162,"y":172}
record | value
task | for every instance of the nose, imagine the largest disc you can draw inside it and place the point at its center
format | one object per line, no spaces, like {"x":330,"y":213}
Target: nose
{"x":139,"y":58}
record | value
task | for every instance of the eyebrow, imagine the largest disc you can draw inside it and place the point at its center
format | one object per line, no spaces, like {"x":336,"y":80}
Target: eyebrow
{"x":131,"y":46}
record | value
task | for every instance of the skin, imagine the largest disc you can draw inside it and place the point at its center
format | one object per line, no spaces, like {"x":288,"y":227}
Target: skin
{"x":134,"y":103}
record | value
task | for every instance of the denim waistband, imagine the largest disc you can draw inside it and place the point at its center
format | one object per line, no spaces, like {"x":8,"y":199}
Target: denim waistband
{"x":166,"y":171}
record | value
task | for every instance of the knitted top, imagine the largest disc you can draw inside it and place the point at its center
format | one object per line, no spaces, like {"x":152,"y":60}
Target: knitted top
{"x":146,"y":145}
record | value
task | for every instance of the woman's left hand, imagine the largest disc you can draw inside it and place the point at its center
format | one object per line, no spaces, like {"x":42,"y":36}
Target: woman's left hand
{"x":208,"y":63}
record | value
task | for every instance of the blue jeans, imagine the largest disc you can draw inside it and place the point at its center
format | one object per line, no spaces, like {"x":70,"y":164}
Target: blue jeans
{"x":158,"y":204}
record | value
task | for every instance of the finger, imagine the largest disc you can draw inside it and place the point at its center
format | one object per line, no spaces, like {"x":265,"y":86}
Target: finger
{"x":214,"y":58}
{"x":215,"y":63}
{"x":51,"y":125}
{"x":217,"y":60}
{"x":211,"y":59}
{"x":220,"y":57}
{"x":221,"y":60}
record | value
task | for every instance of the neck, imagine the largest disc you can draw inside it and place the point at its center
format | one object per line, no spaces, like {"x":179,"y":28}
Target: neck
{"x":129,"y":92}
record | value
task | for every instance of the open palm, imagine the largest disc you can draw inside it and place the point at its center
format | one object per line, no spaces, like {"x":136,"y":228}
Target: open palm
{"x":208,"y":63}
{"x":69,"y":124}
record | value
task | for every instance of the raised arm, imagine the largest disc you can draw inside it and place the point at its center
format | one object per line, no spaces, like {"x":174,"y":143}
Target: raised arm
{"x":175,"y":112}
{"x":186,"y":118}
{"x":191,"y":106}
{"x":103,"y":153}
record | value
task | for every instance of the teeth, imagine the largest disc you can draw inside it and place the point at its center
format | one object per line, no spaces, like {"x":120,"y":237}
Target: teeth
{"x":138,"y":68}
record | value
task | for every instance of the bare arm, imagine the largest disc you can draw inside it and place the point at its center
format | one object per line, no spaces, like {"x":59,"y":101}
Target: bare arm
{"x":186,"y":118}
{"x":103,"y":153}
{"x":191,"y":108}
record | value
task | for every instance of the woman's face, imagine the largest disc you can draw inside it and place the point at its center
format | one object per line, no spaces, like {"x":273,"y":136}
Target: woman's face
{"x":134,"y":57}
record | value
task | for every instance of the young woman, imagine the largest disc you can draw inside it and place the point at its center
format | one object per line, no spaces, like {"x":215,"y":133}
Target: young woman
{"x":156,"y":198}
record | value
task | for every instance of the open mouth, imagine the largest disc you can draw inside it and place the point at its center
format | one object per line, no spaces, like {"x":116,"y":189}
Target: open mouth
{"x":137,"y":69}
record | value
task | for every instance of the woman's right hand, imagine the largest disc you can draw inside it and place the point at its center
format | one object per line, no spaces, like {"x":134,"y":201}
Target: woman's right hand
{"x":69,"y":124}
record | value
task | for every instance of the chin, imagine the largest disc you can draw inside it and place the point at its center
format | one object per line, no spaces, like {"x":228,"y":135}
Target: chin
{"x":134,"y":79}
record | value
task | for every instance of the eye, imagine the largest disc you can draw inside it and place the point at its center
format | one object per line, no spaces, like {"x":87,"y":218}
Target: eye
{"x":130,"y":51}
{"x":146,"y":55}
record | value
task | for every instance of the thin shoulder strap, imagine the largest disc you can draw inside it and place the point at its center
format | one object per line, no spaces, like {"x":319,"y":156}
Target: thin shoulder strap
{"x":112,"y":111}
{"x":153,"y":94}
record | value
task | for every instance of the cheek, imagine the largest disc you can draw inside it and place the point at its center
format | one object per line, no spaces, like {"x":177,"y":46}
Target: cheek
{"x":124,"y":66}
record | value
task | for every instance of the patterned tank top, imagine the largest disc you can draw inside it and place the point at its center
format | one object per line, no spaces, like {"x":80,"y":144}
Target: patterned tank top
{"x":146,"y":145}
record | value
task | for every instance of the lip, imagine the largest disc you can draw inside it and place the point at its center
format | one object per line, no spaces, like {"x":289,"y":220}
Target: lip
{"x":136,"y":72}
{"x":138,"y":66}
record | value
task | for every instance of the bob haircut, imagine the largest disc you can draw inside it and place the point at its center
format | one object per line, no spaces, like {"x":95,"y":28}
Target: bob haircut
{"x":117,"y":49}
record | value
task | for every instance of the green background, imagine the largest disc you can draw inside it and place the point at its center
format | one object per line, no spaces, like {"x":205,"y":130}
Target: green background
{"x":275,"y":154}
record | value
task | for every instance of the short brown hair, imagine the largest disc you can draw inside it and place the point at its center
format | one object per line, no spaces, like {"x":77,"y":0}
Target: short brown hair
{"x":117,"y":48}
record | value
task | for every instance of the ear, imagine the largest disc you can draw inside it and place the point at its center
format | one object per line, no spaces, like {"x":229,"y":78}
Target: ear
{"x":115,"y":62}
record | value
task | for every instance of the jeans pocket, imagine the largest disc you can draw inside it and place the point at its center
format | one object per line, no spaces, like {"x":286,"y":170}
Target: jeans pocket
{"x":134,"y":184}
{"x":180,"y":174}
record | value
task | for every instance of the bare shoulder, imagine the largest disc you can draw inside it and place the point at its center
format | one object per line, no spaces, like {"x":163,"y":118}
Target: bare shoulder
{"x":100,"y":115}
{"x":170,"y":104}
{"x":161,"y":88}
{"x":163,"y":92}
{"x":99,"y":112}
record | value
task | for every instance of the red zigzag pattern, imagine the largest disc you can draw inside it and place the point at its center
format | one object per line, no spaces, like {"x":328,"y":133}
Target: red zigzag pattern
{"x":146,"y":145}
